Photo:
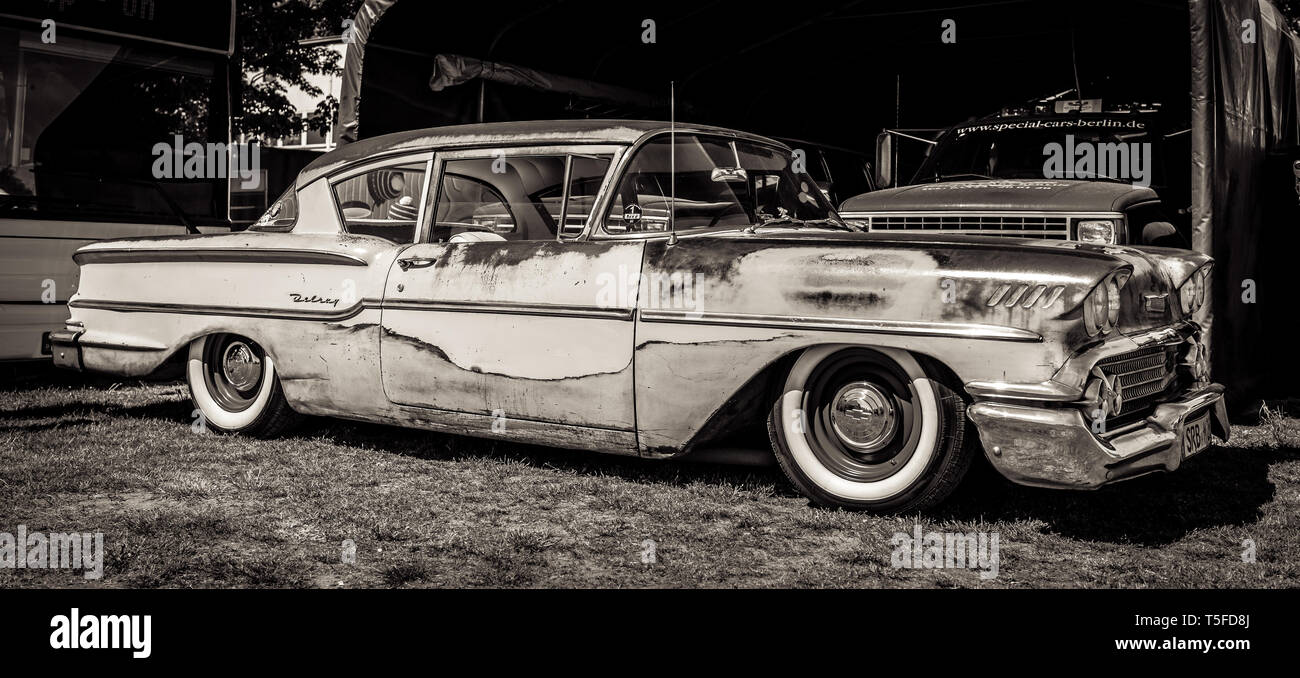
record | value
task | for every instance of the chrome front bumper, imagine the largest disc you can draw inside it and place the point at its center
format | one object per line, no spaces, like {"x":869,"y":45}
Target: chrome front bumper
{"x":1047,"y":446}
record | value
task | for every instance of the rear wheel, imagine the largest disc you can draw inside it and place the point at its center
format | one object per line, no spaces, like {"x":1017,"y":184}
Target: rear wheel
{"x":868,"y":429}
{"x":234,"y":386}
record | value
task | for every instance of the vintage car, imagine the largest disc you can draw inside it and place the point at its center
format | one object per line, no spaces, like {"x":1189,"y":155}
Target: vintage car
{"x":641,"y":289}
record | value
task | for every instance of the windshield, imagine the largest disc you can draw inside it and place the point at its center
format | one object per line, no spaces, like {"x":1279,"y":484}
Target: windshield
{"x":720,"y":182}
{"x":1116,"y":148}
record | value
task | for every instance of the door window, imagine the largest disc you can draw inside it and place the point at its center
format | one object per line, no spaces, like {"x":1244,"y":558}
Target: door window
{"x":517,"y":197}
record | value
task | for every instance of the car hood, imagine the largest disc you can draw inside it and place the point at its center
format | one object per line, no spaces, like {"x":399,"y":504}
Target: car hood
{"x":1002,"y":195}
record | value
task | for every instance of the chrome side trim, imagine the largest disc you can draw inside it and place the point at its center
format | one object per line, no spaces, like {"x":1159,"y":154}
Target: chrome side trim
{"x":218,"y":254}
{"x":987,"y":213}
{"x":1050,"y":391}
{"x":914,"y":328}
{"x":120,"y":347}
{"x":512,"y":308}
{"x":236,"y":311}
{"x":625,"y":314}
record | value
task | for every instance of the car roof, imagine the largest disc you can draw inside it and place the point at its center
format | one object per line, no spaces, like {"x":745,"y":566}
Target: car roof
{"x":526,"y":133}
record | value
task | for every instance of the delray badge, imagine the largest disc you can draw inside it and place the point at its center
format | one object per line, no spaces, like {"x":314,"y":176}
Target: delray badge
{"x":632,"y":214}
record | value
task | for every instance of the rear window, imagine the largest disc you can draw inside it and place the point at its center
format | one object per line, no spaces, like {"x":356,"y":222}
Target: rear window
{"x":383,"y":202}
{"x":281,"y":216}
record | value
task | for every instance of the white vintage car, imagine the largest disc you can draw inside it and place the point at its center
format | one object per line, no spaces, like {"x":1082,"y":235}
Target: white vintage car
{"x":629,"y":288}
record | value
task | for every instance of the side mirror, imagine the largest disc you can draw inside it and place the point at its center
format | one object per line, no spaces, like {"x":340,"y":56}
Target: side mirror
{"x":884,"y":160}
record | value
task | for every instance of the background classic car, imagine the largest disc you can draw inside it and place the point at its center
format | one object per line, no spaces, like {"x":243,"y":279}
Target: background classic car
{"x":626,"y":287}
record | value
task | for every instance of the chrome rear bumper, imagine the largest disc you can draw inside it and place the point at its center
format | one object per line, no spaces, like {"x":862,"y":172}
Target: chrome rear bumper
{"x":1055,"y":447}
{"x":67,"y":353}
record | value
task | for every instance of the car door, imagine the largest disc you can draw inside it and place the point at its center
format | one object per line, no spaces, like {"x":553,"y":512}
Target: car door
{"x":494,"y":313}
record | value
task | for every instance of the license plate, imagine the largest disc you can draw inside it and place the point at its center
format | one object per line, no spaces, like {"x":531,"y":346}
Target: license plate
{"x":1196,"y":435}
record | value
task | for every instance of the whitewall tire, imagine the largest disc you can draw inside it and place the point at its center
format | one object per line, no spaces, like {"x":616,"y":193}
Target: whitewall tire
{"x":233,"y":384}
{"x":861,"y":428}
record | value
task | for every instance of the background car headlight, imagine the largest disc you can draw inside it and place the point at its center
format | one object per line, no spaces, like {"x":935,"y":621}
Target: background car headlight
{"x":1193,"y":292}
{"x":1101,"y":231}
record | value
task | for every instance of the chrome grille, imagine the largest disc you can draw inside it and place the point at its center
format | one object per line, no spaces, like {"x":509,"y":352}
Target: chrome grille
{"x":1012,"y":225}
{"x":1140,"y":375}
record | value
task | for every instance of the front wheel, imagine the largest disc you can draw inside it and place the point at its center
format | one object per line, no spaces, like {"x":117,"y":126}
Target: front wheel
{"x":860,"y":428}
{"x":233,"y":384}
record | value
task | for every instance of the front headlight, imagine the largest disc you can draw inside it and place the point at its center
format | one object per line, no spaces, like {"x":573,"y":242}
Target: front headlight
{"x":1096,"y":310}
{"x":1099,"y":231}
{"x":1101,"y":306}
{"x":1193,"y":292}
{"x":1113,"y":285}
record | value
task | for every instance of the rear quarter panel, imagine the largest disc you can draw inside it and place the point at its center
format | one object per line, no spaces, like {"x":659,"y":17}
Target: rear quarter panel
{"x":312,"y":301}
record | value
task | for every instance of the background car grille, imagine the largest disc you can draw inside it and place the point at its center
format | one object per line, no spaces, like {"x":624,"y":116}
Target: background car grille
{"x":1141,"y":376}
{"x":1013,"y":225}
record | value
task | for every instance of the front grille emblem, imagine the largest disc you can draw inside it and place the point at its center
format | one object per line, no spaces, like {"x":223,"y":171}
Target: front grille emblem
{"x":1156,"y":303}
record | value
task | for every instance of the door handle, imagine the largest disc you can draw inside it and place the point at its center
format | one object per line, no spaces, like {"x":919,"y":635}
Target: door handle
{"x":408,"y":263}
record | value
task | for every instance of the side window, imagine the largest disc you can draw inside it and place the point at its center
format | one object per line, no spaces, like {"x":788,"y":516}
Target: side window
{"x":586,"y":176}
{"x":384,"y":202}
{"x":719,"y":182}
{"x":516,"y":197}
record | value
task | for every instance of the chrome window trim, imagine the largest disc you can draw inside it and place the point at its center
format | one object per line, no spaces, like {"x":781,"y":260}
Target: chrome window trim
{"x":596,"y":227}
{"x":439,"y":163}
{"x":374,"y":163}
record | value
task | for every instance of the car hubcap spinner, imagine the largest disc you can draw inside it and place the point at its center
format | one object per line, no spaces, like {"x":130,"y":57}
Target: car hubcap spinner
{"x":241,"y":366}
{"x":863,"y":416}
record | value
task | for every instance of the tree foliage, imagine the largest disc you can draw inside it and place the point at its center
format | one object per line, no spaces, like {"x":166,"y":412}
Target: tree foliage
{"x":268,"y":37}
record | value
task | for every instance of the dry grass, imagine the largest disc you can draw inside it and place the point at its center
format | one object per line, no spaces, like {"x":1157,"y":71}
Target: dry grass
{"x":180,"y":509}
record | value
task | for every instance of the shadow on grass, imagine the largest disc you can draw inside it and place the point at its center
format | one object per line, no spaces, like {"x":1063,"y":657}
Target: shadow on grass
{"x":20,"y":376}
{"x":1223,"y":486}
{"x":1219,"y":487}
{"x":432,"y":445}
{"x":76,"y":413}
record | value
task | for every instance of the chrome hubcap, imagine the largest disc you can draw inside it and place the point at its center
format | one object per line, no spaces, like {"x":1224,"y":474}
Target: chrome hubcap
{"x":863,"y":416}
{"x":241,"y":366}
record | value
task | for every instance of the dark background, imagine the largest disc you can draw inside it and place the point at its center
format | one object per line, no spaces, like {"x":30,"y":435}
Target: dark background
{"x":828,"y":72}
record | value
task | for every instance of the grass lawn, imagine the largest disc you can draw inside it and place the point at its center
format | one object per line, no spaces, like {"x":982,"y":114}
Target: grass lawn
{"x":184,"y":509}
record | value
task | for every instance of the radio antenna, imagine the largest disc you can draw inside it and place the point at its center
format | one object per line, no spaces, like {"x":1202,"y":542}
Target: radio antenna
{"x":1074,"y":62}
{"x":672,"y":162}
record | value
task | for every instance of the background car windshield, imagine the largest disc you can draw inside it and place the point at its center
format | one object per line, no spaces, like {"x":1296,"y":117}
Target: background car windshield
{"x":1013,"y":153}
{"x":720,"y":182}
